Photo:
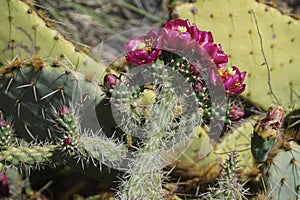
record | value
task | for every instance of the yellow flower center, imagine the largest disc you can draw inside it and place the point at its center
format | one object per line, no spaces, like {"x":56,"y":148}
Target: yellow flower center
{"x":141,"y":45}
{"x":182,"y":29}
{"x":147,"y":45}
{"x":226,"y":73}
{"x":231,"y":72}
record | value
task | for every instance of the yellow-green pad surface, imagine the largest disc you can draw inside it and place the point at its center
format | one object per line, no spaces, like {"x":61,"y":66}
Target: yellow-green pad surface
{"x":233,"y":25}
{"x":28,"y":34}
{"x":238,"y":139}
{"x":196,"y":159}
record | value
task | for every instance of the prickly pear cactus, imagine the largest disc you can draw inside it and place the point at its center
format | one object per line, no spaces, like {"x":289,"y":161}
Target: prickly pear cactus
{"x":233,"y":24}
{"x":31,"y":87}
{"x":282,"y":174}
{"x":25,"y":34}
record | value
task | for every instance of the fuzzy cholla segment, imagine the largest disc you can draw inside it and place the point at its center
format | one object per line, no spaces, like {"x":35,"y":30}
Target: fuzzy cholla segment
{"x":68,"y":127}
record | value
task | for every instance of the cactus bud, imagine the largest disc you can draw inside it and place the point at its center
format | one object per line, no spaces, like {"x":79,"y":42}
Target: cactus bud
{"x":111,"y":81}
{"x":197,"y":86}
{"x":3,"y":123}
{"x":4,"y":185}
{"x":64,"y":110}
{"x":235,"y":113}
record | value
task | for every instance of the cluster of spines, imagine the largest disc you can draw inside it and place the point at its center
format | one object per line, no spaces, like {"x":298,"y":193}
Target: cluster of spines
{"x":19,"y":153}
{"x":229,"y":185}
{"x":68,"y":129}
{"x":36,"y":38}
{"x":33,"y":85}
{"x":6,"y":134}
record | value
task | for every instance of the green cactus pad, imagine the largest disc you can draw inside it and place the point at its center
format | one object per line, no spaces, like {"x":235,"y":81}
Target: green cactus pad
{"x":282,"y":175}
{"x":23,"y":33}
{"x":239,"y":140}
{"x":30,"y":91}
{"x":260,"y":148}
{"x":233,"y":25}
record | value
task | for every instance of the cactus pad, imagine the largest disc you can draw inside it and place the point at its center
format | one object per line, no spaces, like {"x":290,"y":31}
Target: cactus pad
{"x":233,"y":25}
{"x":238,"y":139}
{"x":198,"y":160}
{"x":32,"y":87}
{"x":25,"y":34}
{"x":282,"y":175}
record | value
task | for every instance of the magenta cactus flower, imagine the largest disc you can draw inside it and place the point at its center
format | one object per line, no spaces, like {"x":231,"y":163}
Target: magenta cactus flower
{"x":236,"y":113}
{"x":179,"y":36}
{"x":176,"y":41}
{"x":143,"y":50}
{"x":216,"y":54}
{"x":233,"y":80}
{"x":111,"y":81}
{"x":179,"y":25}
{"x":214,"y":76}
{"x":201,"y":37}
{"x":176,"y":36}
